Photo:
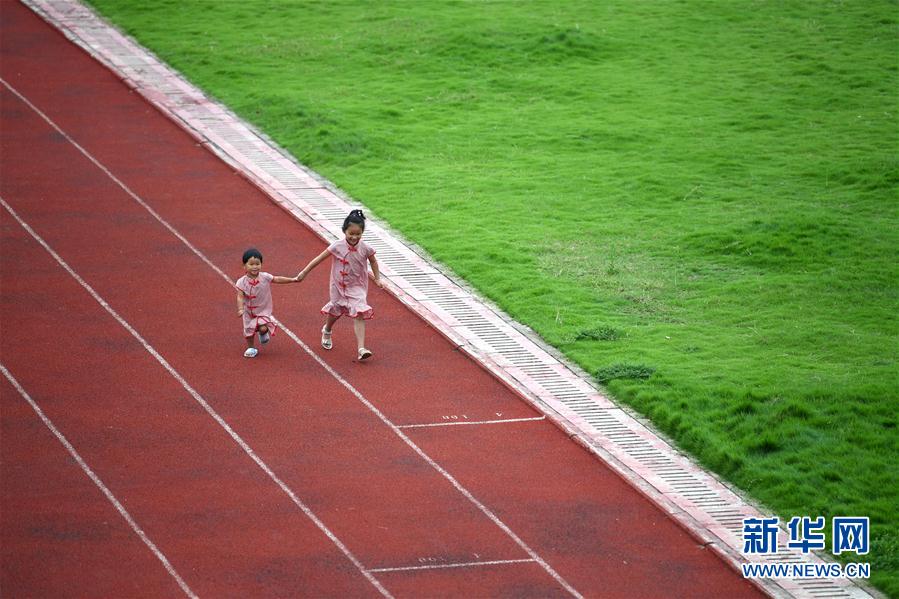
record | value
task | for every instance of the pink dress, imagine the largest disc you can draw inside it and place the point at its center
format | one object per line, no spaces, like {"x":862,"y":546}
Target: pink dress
{"x":258,"y":307}
{"x":349,"y":280}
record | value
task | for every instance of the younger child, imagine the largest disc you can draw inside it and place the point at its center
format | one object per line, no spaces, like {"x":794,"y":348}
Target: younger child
{"x":349,"y":280}
{"x":254,"y":300}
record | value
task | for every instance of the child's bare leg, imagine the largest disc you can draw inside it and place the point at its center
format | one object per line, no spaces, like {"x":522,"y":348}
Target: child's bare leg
{"x":326,"y":331}
{"x":359,"y":329}
{"x":263,"y":329}
{"x":330,"y":322}
{"x":251,"y":341}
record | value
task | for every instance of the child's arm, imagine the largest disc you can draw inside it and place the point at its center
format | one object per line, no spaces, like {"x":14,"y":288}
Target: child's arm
{"x":241,"y":301}
{"x":315,"y":262}
{"x":375,"y":270}
{"x":277,"y":279}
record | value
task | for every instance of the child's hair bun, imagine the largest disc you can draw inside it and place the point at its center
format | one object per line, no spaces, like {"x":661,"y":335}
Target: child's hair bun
{"x":354,"y":217}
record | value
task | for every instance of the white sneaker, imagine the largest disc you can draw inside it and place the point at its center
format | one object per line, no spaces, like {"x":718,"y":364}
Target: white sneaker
{"x":364,"y":354}
{"x":265,"y":337}
{"x":251,"y":352}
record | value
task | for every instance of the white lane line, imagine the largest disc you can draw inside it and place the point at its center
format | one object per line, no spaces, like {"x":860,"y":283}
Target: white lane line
{"x":469,"y":422}
{"x":115,"y":179}
{"x":199,"y":399}
{"x":459,"y":565}
{"x":486,"y":511}
{"x":96,"y":479}
{"x":449,"y":477}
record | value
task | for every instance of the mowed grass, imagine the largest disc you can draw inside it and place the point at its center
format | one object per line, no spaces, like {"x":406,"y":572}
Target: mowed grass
{"x":694,"y":200}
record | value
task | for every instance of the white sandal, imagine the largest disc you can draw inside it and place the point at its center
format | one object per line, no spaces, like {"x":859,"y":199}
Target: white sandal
{"x":251,"y":352}
{"x":326,"y":338}
{"x":364,"y":354}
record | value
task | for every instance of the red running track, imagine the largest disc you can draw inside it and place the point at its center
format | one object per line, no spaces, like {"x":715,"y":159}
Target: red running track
{"x":291,"y":474}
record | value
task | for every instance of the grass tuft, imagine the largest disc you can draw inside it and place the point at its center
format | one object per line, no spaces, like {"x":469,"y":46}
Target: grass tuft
{"x":598,"y":334}
{"x":624,"y":371}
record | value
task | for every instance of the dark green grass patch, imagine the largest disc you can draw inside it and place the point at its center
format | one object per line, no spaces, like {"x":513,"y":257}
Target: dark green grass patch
{"x":598,"y":334}
{"x":623,"y":371}
{"x":715,"y":180}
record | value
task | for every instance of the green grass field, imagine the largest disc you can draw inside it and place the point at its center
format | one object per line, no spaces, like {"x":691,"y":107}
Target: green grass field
{"x":694,"y":200}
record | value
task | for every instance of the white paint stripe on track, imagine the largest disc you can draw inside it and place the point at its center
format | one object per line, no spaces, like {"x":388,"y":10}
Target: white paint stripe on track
{"x":449,"y":477}
{"x":459,"y":565}
{"x":470,"y":422}
{"x":467,"y":494}
{"x":115,"y":179}
{"x":199,"y":399}
{"x":96,"y":480}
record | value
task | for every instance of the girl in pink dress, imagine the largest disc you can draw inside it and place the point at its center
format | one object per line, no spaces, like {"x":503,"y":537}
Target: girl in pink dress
{"x":254,"y":300}
{"x":349,"y":280}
